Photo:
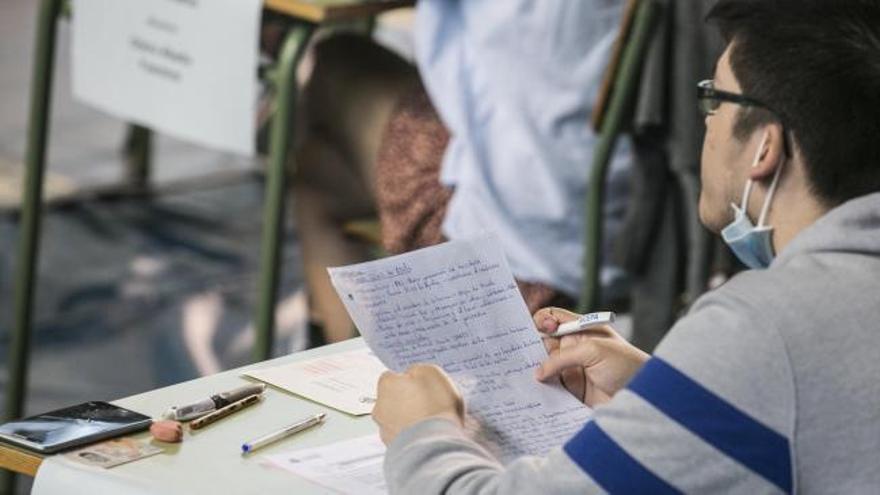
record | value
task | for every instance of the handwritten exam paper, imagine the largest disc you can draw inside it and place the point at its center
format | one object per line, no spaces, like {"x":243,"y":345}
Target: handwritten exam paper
{"x":351,"y":466}
{"x":456,"y":305}
{"x":342,"y":381}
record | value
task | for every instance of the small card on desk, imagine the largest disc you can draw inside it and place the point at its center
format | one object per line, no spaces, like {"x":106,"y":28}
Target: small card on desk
{"x":114,"y":452}
{"x":345,"y":381}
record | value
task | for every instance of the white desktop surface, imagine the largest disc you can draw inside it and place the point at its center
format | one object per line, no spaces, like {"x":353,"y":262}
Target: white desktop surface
{"x":209,"y":461}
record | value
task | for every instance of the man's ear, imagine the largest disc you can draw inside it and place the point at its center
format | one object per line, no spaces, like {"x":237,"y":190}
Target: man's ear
{"x":771,"y":155}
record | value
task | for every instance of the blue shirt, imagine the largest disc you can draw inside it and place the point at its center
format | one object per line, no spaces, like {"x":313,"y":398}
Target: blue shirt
{"x":514,"y":81}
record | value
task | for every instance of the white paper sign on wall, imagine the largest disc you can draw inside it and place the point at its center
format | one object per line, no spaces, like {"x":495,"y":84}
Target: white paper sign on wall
{"x":187,"y":68}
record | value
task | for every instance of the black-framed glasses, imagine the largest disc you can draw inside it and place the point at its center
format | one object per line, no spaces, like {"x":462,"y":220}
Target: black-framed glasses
{"x":710,"y":99}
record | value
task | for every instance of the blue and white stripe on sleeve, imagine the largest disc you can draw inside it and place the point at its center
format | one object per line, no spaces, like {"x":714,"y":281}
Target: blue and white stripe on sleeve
{"x":666,"y":433}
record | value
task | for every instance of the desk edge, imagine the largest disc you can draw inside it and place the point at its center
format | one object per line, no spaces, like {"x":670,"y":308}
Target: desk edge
{"x":19,"y":461}
{"x":318,"y":14}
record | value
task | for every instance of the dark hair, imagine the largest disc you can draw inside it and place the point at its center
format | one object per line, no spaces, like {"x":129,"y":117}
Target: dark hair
{"x":816,"y":64}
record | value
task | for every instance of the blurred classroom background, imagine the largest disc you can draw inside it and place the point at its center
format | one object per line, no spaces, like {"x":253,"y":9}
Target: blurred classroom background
{"x":137,"y":291}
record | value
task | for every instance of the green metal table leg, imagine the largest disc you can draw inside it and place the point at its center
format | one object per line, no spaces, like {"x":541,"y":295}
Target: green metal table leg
{"x":29,"y":225}
{"x":618,"y":108}
{"x":273,"y":216}
{"x":138,"y":154}
{"x":31,"y":205}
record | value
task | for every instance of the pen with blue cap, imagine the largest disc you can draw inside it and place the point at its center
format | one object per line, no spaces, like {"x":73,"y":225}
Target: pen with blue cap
{"x":285,"y":432}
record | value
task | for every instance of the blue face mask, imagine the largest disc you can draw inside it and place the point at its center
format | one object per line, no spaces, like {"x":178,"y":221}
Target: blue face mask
{"x":752,"y":244}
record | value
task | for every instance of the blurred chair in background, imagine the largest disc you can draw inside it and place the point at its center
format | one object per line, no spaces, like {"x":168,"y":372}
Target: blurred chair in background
{"x":303,"y":17}
{"x":663,"y":246}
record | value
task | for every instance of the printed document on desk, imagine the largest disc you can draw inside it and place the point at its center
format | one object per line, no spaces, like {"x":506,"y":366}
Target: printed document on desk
{"x":344,"y":381}
{"x":456,"y":305}
{"x":351,"y":467}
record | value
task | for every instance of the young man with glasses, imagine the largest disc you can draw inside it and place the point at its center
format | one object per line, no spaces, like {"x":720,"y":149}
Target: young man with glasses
{"x":770,"y":383}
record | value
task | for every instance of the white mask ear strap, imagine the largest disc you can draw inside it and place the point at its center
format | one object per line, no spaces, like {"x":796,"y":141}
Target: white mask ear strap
{"x":746,"y":194}
{"x":750,"y":182}
{"x":766,"y":208}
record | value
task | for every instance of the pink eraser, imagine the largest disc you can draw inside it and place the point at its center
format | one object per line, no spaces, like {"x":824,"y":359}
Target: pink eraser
{"x":167,"y":431}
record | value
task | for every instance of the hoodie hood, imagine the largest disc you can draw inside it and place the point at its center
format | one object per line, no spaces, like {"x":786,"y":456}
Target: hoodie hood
{"x":853,"y":227}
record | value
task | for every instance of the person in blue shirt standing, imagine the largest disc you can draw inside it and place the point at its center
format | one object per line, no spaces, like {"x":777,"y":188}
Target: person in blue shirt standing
{"x":488,"y":132}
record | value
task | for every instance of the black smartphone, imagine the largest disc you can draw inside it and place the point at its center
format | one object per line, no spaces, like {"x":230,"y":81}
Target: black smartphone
{"x":72,"y":427}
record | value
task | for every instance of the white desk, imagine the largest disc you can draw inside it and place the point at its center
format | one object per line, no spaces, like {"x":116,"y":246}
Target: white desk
{"x":209,"y":461}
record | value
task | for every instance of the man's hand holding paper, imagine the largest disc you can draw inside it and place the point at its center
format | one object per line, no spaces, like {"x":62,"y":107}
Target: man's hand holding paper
{"x":423,"y":391}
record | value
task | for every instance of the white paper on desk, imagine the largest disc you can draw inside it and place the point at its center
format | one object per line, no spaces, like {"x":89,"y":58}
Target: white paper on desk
{"x":457,"y":305}
{"x":341,"y":381}
{"x":351,"y":466}
{"x":184,"y":67}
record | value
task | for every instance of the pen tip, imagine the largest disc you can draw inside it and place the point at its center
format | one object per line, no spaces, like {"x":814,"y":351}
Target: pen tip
{"x":245,"y":449}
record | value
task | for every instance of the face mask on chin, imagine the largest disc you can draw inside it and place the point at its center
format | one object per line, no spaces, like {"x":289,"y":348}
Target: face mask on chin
{"x":752,"y":244}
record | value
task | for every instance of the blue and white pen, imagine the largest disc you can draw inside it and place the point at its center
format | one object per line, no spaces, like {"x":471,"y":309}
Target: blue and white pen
{"x":585,"y":322}
{"x":285,"y":432}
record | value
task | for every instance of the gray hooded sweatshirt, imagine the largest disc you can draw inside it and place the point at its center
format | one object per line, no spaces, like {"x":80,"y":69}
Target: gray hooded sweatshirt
{"x":770,"y":384}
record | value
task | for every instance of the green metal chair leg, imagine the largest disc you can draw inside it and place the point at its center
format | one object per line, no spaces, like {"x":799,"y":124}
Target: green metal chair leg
{"x":273,"y":215}
{"x":624,"y":90}
{"x":138,"y":154}
{"x":31,"y":205}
